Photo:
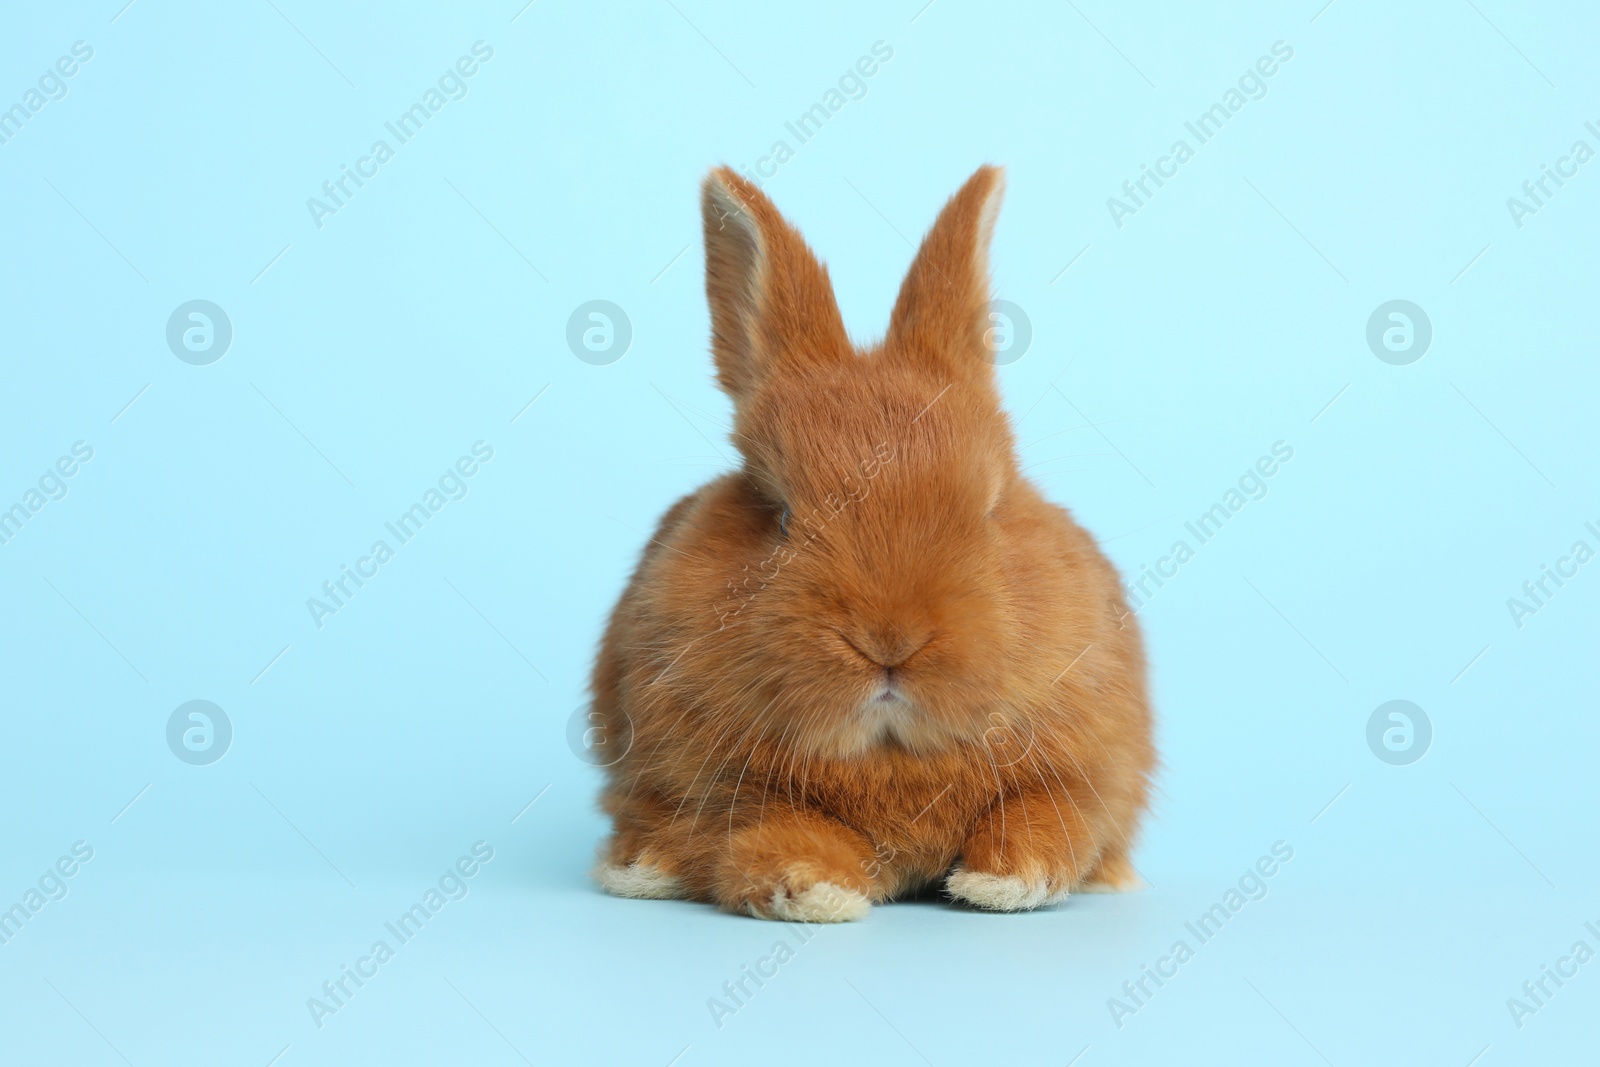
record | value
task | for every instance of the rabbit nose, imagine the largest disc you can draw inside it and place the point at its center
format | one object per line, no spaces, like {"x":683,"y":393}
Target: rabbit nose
{"x":889,"y":647}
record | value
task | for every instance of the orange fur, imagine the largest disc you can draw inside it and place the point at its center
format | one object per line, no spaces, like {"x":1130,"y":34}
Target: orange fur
{"x":874,"y":652}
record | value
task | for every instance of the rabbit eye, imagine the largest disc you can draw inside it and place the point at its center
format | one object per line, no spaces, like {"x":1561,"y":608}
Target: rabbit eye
{"x":783,"y":522}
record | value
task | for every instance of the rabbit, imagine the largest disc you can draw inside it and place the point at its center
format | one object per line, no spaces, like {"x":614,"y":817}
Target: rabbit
{"x":874,"y":657}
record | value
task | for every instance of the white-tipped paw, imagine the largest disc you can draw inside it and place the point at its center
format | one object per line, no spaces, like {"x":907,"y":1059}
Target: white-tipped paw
{"x":823,"y":902}
{"x":1000,"y":892}
{"x":640,"y":880}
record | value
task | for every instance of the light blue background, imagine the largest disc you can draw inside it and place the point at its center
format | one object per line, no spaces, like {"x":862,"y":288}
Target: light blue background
{"x":1227,"y":314}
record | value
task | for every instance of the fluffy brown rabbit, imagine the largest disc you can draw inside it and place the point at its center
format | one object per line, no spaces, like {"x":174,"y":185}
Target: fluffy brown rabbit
{"x":873,"y":657}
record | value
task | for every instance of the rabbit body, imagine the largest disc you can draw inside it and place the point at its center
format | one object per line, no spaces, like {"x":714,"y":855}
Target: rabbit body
{"x":874,"y":657}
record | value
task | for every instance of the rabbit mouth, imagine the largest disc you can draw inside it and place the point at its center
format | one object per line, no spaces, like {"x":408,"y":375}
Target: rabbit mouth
{"x":888,"y":690}
{"x":884,"y":716}
{"x":888,"y":713}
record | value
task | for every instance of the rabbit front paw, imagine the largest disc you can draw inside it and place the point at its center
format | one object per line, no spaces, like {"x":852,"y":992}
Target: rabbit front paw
{"x":797,"y":867}
{"x":1003,"y":892}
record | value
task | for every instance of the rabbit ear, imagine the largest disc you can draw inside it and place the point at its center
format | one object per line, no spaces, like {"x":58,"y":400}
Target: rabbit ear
{"x":771,"y":302}
{"x":942,"y":311}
